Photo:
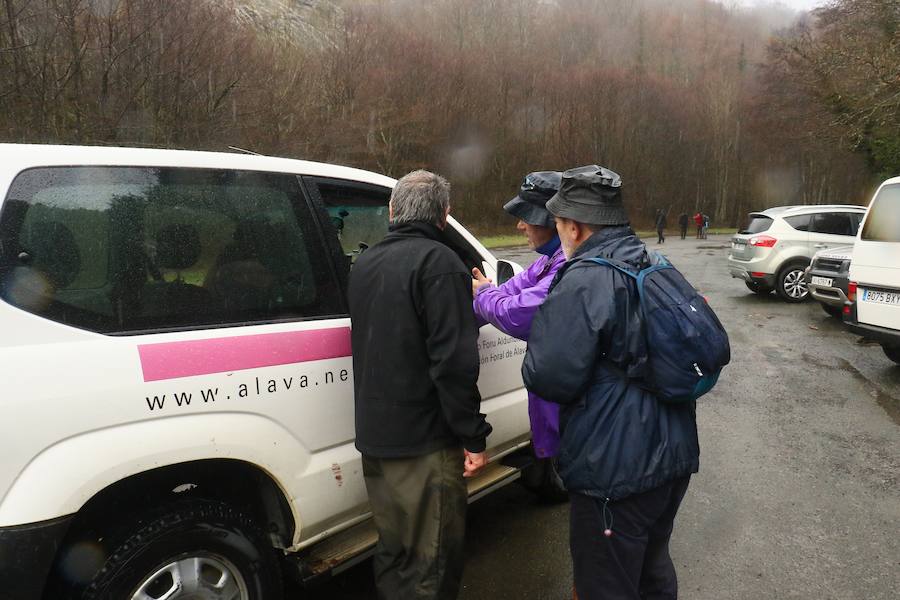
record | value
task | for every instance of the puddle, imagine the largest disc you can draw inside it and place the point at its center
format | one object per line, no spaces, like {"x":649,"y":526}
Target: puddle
{"x":890,"y":404}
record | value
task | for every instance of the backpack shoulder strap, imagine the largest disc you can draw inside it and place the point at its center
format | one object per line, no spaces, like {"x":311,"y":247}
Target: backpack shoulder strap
{"x":615,"y":264}
{"x":660,"y":263}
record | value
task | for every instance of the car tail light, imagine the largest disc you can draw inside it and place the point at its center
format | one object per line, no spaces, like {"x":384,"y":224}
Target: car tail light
{"x":851,"y":292}
{"x":763,"y":241}
{"x":846,"y":309}
{"x":757,"y":274}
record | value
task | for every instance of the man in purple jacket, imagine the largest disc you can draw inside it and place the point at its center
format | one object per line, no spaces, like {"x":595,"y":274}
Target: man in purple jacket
{"x":512,"y":306}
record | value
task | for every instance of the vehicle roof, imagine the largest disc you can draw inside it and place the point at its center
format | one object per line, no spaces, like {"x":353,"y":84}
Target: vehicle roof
{"x":802,"y":209}
{"x":18,"y":157}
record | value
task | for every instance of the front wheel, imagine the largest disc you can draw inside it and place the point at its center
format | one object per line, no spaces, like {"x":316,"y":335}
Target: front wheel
{"x":194,"y":550}
{"x":892,"y":352}
{"x":790,"y":284}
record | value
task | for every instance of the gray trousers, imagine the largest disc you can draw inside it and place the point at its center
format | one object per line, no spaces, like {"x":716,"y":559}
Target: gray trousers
{"x":419,"y":507}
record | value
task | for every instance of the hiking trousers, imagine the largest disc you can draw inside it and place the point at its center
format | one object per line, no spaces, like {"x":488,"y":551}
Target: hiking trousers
{"x":633,"y":563}
{"x":419,"y":508}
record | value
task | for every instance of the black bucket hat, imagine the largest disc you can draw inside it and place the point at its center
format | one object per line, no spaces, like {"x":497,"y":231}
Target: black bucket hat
{"x":591,"y":194}
{"x":530,"y":205}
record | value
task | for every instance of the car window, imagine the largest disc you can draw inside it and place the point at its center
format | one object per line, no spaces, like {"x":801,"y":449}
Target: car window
{"x":855,"y":220}
{"x":358,"y":211}
{"x":756,"y":224}
{"x":119,"y":250}
{"x":883,"y":222}
{"x":833,"y":223}
{"x":798,"y":222}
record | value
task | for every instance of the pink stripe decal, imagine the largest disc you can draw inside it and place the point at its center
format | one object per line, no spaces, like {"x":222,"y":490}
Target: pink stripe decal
{"x":171,"y":360}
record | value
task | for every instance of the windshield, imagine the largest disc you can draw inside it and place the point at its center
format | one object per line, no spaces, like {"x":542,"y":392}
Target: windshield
{"x":756,"y":223}
{"x":883,"y":222}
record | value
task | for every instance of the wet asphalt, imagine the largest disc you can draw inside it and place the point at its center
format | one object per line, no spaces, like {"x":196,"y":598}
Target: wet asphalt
{"x":798,"y":494}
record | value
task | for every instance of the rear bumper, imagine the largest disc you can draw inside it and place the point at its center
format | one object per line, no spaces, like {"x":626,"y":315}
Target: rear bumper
{"x":882,"y":335}
{"x":26,"y":556}
{"x":740,"y":272}
{"x":760,"y":265}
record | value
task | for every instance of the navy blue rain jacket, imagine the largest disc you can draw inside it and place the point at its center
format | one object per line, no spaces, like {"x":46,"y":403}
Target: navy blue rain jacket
{"x":616,"y":438}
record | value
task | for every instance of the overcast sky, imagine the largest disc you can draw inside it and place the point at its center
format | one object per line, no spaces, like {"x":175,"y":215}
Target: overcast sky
{"x":795,"y":4}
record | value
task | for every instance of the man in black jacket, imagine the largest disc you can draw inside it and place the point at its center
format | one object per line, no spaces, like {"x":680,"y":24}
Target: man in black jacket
{"x":625,"y":457}
{"x":415,"y":367}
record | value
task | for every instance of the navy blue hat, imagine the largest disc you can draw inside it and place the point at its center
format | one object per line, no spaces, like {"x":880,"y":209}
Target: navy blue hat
{"x":530,"y":204}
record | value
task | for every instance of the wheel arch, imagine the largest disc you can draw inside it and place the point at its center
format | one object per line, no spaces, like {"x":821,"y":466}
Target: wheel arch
{"x":89,"y":541}
{"x":784,"y":267}
{"x":235,"y":482}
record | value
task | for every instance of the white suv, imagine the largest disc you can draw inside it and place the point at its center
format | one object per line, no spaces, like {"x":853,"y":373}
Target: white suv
{"x":176,"y":386}
{"x":777,"y":244}
{"x":874,"y":288}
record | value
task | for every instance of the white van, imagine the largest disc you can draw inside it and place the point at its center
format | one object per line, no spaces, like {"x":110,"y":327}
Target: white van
{"x":874,"y":288}
{"x":176,"y":385}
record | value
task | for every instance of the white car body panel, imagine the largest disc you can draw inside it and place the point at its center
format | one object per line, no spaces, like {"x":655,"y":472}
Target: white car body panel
{"x":876,"y":265}
{"x":76,"y":405}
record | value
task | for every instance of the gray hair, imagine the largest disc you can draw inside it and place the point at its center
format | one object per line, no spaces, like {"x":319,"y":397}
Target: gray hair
{"x":421,"y":196}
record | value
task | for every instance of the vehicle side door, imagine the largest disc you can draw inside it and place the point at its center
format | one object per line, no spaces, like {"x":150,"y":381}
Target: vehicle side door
{"x":358,"y":213}
{"x":206,"y":303}
{"x":832,"y":229}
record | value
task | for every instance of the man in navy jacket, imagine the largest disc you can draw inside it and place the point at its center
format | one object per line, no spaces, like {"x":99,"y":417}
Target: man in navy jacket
{"x":625,"y":457}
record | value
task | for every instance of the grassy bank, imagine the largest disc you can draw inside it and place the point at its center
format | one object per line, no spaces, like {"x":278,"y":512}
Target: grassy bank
{"x":505,"y":240}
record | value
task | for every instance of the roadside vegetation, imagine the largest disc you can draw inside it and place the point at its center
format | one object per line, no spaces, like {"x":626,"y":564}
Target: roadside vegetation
{"x":698,"y":106}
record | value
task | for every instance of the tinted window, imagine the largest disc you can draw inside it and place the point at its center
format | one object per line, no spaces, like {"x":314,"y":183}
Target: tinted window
{"x":883,"y":222}
{"x":832,"y":223}
{"x":756,"y":224}
{"x":359,"y":213}
{"x":798,"y":222}
{"x":130,"y":249}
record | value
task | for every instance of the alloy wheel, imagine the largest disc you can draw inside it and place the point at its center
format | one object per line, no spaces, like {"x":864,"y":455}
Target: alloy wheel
{"x":794,"y":284}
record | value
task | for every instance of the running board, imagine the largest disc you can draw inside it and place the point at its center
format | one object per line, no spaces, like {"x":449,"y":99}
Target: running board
{"x":352,"y":546}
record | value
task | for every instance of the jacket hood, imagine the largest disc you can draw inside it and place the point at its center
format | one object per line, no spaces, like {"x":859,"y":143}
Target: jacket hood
{"x":618,"y":243}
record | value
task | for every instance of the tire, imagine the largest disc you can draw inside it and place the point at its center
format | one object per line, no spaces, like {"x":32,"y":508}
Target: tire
{"x":222,"y":548}
{"x":758,"y":288}
{"x":542,"y":478}
{"x":892,"y":352}
{"x":835,"y":311}
{"x":789,"y":283}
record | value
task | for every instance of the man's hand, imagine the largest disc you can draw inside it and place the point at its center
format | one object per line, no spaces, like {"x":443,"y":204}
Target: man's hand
{"x":479,"y":280}
{"x":475,"y":461}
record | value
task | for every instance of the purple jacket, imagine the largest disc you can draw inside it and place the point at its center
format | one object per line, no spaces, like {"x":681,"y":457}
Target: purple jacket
{"x":510,"y":308}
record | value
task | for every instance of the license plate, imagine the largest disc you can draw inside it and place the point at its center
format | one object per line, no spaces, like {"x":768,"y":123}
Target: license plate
{"x":823,"y":281}
{"x":738,"y":245}
{"x":880,"y":297}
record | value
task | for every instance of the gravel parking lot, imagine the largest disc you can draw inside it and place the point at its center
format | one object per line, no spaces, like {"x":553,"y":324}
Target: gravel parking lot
{"x":798,"y":494}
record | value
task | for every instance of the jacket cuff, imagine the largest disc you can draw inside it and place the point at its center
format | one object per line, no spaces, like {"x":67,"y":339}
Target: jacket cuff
{"x":475,"y":446}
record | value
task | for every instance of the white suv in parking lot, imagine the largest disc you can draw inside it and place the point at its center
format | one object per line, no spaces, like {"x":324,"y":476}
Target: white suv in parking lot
{"x":777,"y":244}
{"x":176,"y":385}
{"x":874,"y":288}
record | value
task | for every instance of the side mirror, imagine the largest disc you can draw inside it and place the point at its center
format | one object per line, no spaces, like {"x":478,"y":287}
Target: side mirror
{"x":506,"y":270}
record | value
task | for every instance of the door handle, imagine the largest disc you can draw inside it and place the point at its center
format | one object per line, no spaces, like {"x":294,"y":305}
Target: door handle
{"x":820,"y":246}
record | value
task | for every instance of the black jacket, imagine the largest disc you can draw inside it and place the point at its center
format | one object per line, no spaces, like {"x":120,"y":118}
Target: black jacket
{"x":415,"y":356}
{"x":616,"y":438}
